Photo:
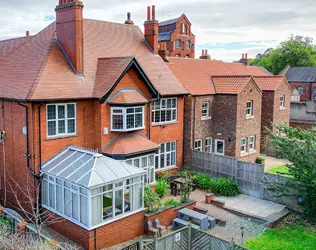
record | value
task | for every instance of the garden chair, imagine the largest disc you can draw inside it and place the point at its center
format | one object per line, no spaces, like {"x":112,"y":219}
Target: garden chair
{"x":151,"y":228}
{"x":159,"y":226}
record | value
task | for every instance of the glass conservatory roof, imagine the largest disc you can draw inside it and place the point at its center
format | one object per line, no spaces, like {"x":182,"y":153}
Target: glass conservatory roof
{"x":87,"y":168}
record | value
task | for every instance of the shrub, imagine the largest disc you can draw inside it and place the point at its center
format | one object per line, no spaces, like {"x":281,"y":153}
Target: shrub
{"x":171,"y":202}
{"x":203,"y":181}
{"x":151,"y":199}
{"x":161,"y":188}
{"x":224,"y":186}
{"x":260,"y":160}
{"x":163,"y":176}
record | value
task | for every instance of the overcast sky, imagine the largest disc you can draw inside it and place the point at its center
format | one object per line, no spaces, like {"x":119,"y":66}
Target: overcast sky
{"x":226,"y":28}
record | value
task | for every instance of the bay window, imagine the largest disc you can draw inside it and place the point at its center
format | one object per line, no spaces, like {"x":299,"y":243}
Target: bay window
{"x":166,"y":156}
{"x":146,"y":162}
{"x":127,"y":118}
{"x":61,"y":119}
{"x":164,"y":110}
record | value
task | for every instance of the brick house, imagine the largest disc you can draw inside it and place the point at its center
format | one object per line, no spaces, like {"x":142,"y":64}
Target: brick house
{"x":223,"y":110}
{"x":303,"y":79}
{"x":276,"y":99}
{"x":100,"y":87}
{"x":176,"y":37}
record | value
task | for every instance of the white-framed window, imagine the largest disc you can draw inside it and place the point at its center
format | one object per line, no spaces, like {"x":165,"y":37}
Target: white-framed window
{"x":91,"y":208}
{"x":300,"y":90}
{"x":282,"y":101}
{"x":198,"y":145}
{"x":208,"y":145}
{"x":252,"y":143}
{"x":146,"y":162}
{"x":187,"y":44}
{"x":249,"y":108}
{"x":178,"y":43}
{"x":166,"y":156}
{"x":164,"y":110}
{"x":61,"y":119}
{"x":127,"y":118}
{"x":243,"y":145}
{"x":219,"y":147}
{"x":205,"y":109}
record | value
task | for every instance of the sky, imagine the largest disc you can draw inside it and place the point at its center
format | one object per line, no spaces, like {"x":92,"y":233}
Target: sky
{"x":227,"y":28}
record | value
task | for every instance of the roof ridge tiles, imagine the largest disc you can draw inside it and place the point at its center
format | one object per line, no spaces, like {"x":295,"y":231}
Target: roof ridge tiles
{"x":103,"y":21}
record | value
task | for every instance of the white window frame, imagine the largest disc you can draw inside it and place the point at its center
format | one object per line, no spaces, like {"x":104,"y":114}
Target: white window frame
{"x":205,"y":109}
{"x":198,"y":145}
{"x":282,"y":101}
{"x":215,"y":150}
{"x":249,"y":114}
{"x":208,"y":146}
{"x":166,"y":154}
{"x":148,"y":168}
{"x":252,"y":145}
{"x":66,"y":119}
{"x":158,"y":108}
{"x":124,"y":117}
{"x":243,"y":145}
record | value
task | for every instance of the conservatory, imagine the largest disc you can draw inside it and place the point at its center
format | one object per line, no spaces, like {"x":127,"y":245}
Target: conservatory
{"x":90,"y":189}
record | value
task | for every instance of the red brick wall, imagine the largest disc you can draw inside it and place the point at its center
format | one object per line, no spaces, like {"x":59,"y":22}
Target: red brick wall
{"x":249,"y":127}
{"x":308,"y":90}
{"x":302,"y":124}
{"x":282,"y":116}
{"x":108,"y":235}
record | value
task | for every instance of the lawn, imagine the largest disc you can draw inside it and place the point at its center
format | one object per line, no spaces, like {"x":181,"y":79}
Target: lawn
{"x":282,"y":170}
{"x":287,"y":237}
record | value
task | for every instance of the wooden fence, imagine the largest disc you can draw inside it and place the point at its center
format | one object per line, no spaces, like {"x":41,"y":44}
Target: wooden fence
{"x":249,"y":176}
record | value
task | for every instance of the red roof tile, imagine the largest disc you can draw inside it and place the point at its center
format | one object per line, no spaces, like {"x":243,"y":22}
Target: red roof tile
{"x":270,"y":82}
{"x":7,"y":46}
{"x":38,"y":70}
{"x":127,"y":96}
{"x":230,"y":84}
{"x":241,"y":69}
{"x":130,"y":145}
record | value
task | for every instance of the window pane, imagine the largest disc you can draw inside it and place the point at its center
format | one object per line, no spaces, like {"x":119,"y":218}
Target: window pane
{"x":130,"y":121}
{"x":130,"y":111}
{"x":61,"y":127}
{"x":163,"y":116}
{"x":83,"y":209}
{"x":144,"y":162}
{"x":220,"y":147}
{"x":139,"y":120}
{"x":174,"y":102}
{"x":51,"y":195}
{"x":168,"y":161}
{"x":51,"y":128}
{"x":174,"y":114}
{"x":151,"y":160}
{"x":71,"y":110}
{"x":118,"y":202}
{"x":59,"y":199}
{"x":136,"y":163}
{"x":138,"y":110}
{"x":61,"y":112}
{"x":168,"y":146}
{"x":168,"y":118}
{"x":71,"y":126}
{"x":173,"y":145}
{"x":97,"y":208}
{"x":75,"y":200}
{"x":117,"y":121}
{"x":173,"y":158}
{"x":130,"y":162}
{"x":169,"y":103}
{"x":45,"y":192}
{"x":51,"y":112}
{"x":162,"y":161}
{"x":67,"y":202}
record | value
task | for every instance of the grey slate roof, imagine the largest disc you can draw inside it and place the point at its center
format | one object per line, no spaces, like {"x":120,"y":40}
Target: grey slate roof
{"x":164,"y":36}
{"x":170,"y":21}
{"x":301,"y":74}
{"x":88,"y":169}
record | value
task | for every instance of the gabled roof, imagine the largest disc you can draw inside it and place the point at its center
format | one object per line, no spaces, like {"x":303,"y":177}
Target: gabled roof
{"x":127,"y":96}
{"x":170,"y":21}
{"x":129,"y":145}
{"x":38,"y":69}
{"x":230,"y":84}
{"x":270,"y":83}
{"x":88,"y":169}
{"x":301,"y":74}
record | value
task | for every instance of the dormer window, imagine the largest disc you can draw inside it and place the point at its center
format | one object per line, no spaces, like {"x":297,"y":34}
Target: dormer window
{"x":127,"y":118}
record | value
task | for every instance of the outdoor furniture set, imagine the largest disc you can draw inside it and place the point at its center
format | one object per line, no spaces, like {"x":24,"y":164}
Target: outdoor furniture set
{"x":156,"y":231}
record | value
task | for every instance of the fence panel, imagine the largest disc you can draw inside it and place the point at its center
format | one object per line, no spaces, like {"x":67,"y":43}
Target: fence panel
{"x":177,"y":240}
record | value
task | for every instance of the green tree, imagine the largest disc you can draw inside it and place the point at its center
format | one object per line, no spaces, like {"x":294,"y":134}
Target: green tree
{"x":299,"y":146}
{"x":297,"y":51}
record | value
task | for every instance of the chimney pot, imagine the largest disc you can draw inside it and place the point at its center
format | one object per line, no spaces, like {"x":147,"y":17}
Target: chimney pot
{"x":206,"y":52}
{"x":148,"y":13}
{"x":27,"y":33}
{"x":243,"y":56}
{"x":246,"y":56}
{"x":203,"y":54}
{"x":153,"y":12}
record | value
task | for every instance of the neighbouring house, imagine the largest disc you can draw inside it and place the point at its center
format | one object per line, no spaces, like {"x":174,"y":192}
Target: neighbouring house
{"x":223,"y":110}
{"x":276,"y":99}
{"x":176,"y":37}
{"x":303,"y":79}
{"x":303,"y":114}
{"x":96,"y":85}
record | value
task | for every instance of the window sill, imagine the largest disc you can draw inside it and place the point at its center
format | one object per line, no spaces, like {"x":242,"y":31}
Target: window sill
{"x":164,"y":123}
{"x":166,"y":169}
{"x":206,"y":118}
{"x":282,"y":108}
{"x":126,"y":130}
{"x":219,"y":154}
{"x":248,"y":153}
{"x":58,"y":137}
{"x":250,"y":117}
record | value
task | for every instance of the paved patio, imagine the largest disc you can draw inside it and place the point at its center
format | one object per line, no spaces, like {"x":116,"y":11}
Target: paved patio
{"x":272,"y":162}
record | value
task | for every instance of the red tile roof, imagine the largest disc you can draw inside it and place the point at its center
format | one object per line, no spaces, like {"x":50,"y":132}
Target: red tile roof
{"x":195,"y":74}
{"x":130,"y":145}
{"x":270,"y":83}
{"x":127,"y":96}
{"x":7,"y":46}
{"x":38,"y":70}
{"x":230,"y":84}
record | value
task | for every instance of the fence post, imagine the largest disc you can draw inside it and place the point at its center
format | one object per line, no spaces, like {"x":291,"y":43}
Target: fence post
{"x":140,"y":244}
{"x":155,"y":243}
{"x":189,"y":236}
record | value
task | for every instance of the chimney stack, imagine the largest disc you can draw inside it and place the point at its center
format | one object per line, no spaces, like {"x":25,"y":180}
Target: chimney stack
{"x":152,"y":29}
{"x":27,"y":33}
{"x":244,"y":59}
{"x":205,"y":55}
{"x":129,"y":20}
{"x":69,"y":28}
{"x":246,"y":56}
